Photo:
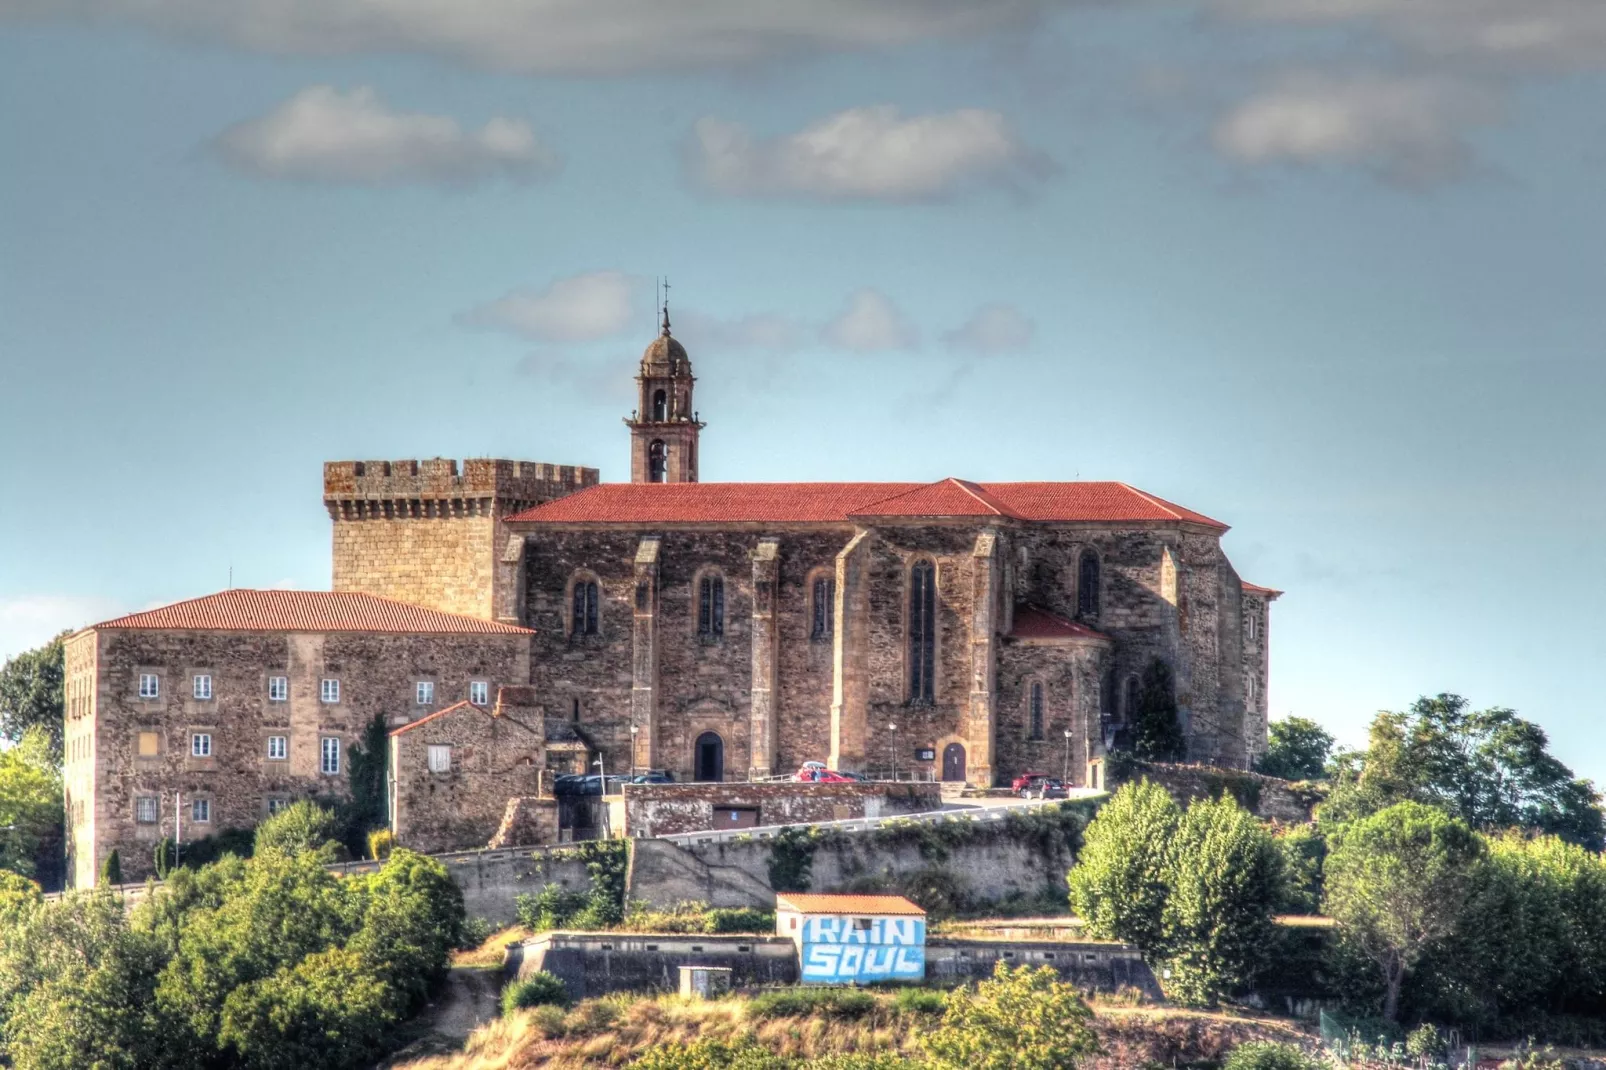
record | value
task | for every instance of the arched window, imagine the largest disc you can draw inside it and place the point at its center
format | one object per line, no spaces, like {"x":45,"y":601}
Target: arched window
{"x":922,"y":632}
{"x":824,"y":615}
{"x":576,"y":711}
{"x":660,"y":406}
{"x":583,"y":620}
{"x":657,"y":466}
{"x":1034,"y":711}
{"x":711,"y":607}
{"x":1129,"y":708}
{"x":1087,"y":585}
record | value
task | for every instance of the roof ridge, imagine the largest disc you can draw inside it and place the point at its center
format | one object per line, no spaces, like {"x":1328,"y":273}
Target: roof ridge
{"x":981,"y":494}
{"x":428,"y":717}
{"x":1158,"y":503}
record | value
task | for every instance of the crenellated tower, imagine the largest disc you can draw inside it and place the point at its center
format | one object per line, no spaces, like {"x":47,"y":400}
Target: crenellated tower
{"x":664,"y":427}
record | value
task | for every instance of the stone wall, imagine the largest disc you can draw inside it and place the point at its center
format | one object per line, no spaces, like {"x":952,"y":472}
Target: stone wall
{"x":671,"y":809}
{"x":378,"y":673}
{"x":1268,"y":797}
{"x":428,"y":533}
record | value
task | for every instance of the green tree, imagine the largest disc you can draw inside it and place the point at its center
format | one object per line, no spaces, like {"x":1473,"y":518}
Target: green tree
{"x":1224,"y":877}
{"x":1396,"y":884}
{"x":32,"y":694}
{"x":1021,"y":1019}
{"x":1119,"y":883}
{"x":1304,"y":851}
{"x":31,"y":807}
{"x":1298,"y":750}
{"x":327,"y":1010}
{"x":1156,"y":732}
{"x":301,"y":826}
{"x":1489,"y":767}
{"x":111,"y":870}
{"x":411,"y":919}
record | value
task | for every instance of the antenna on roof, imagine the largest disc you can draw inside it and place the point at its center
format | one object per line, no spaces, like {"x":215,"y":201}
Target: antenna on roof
{"x":231,"y":575}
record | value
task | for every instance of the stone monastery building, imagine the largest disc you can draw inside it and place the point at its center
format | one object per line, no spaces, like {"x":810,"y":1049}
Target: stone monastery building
{"x":970,"y":631}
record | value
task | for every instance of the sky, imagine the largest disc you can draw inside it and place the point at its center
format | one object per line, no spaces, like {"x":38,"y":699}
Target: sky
{"x":1330,"y":271}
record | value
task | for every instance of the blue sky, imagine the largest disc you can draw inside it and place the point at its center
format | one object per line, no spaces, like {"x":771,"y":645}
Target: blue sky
{"x":1329,"y":270}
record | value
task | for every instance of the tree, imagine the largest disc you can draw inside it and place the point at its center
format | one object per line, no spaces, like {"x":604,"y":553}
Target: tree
{"x":32,"y":694}
{"x":368,"y":807}
{"x":1156,"y":733}
{"x":1021,"y":1019}
{"x":1397,"y":882}
{"x":1298,"y":750}
{"x":1489,"y":767}
{"x":30,"y":807}
{"x":1224,"y":878}
{"x":325,"y":1010}
{"x":111,"y":870}
{"x":1119,"y":883}
{"x":301,"y":826}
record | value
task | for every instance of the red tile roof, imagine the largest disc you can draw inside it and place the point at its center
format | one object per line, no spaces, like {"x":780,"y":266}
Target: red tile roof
{"x":847,"y":904}
{"x":646,"y":503}
{"x":1254,"y":588}
{"x":428,"y":717}
{"x":243,"y":610}
{"x":1034,"y":623}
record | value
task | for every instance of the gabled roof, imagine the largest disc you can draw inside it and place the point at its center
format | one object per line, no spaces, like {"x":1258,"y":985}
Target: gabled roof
{"x":840,"y":503}
{"x":847,"y":904}
{"x":1268,"y":593}
{"x":245,"y":610}
{"x":1034,"y":623}
{"x":437,"y":715}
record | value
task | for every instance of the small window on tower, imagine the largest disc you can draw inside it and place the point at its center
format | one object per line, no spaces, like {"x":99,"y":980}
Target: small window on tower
{"x":711,"y":607}
{"x":584,"y":618}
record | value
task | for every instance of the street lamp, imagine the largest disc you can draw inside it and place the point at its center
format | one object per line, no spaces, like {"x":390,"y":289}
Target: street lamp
{"x":602,"y":801}
{"x":1065,"y":774}
{"x":633,"y":730}
{"x":892,"y":748}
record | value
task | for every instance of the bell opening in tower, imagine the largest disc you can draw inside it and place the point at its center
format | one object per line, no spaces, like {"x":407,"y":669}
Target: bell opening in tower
{"x":657,"y":468}
{"x":660,"y":406}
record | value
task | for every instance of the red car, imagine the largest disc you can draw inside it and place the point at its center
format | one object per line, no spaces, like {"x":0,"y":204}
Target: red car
{"x":823,"y":776}
{"x":1026,"y":780}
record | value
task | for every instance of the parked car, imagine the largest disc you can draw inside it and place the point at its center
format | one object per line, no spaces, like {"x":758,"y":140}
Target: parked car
{"x":1026,"y":780}
{"x":1051,"y":787}
{"x":654,"y":776}
{"x":821,"y":775}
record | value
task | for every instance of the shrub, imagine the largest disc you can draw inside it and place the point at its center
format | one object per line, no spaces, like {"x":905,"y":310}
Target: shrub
{"x":912,"y":1001}
{"x":163,"y":857}
{"x":711,"y":1055}
{"x":1269,"y":1055}
{"x":740,"y":920}
{"x":1021,"y":1019}
{"x":792,"y":859}
{"x":111,"y":871}
{"x":839,"y":1003}
{"x":475,"y":932}
{"x":549,"y":1021}
{"x":301,"y":826}
{"x":540,"y":989}
{"x":380,"y":841}
{"x":553,"y":907}
{"x":591,"y":1017}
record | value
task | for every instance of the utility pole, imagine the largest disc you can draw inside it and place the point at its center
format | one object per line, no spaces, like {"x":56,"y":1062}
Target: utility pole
{"x":893,"y":748}
{"x":1065,"y":774}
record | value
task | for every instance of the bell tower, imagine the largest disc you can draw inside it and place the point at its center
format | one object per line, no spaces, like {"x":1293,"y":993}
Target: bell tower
{"x":664,"y":427}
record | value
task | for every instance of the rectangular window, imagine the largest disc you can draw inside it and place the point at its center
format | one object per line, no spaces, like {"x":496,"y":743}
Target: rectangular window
{"x":150,"y":685}
{"x":201,"y":811}
{"x":329,"y":692}
{"x":276,"y":803}
{"x":278,"y":748}
{"x":278,"y":688}
{"x":440,"y":758}
{"x":711,"y":607}
{"x":479,"y":693}
{"x":145,"y":809}
{"x":426,"y":692}
{"x":150,"y":744}
{"x":202,"y":688}
{"x":329,"y":756}
{"x":200,"y":745}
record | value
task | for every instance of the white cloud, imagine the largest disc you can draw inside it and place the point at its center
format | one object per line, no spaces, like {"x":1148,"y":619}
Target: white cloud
{"x":28,"y":621}
{"x":992,"y":329}
{"x":324,"y":135}
{"x":1531,"y":34}
{"x":870,"y":323}
{"x":763,"y":332}
{"x":561,"y":36}
{"x":580,"y":308}
{"x":866,"y":154}
{"x":1409,"y":131}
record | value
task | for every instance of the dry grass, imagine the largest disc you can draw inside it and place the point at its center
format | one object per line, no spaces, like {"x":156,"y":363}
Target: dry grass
{"x":491,"y":952}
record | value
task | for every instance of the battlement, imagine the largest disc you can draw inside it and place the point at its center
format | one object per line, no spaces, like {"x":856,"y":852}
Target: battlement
{"x":355,"y":490}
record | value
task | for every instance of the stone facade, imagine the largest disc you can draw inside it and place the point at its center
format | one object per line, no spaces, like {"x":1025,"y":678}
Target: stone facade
{"x":426,"y":533}
{"x":135,"y":769}
{"x":671,"y":809}
{"x":453,"y":772}
{"x":1257,"y":665}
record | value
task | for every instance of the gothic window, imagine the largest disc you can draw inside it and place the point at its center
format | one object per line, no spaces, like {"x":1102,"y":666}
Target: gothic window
{"x":1087,"y":585}
{"x":922,"y":632}
{"x":1130,"y":706}
{"x":660,"y":406}
{"x":583,"y":620}
{"x":657,"y":465}
{"x":711,"y":607}
{"x":1034,"y":711}
{"x":824,"y":622}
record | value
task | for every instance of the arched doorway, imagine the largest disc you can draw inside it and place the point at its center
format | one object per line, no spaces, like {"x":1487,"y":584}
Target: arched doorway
{"x":708,"y":757}
{"x":953,"y":762}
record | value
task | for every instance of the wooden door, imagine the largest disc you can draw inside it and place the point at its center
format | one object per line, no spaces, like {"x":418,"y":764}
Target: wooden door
{"x":953,"y":762}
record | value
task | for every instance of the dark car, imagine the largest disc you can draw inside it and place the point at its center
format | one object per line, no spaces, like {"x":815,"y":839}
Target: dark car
{"x":1049,"y":787}
{"x":654,"y":776}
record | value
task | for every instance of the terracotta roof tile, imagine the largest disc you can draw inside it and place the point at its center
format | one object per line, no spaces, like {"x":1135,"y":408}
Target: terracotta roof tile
{"x":1255,"y":588}
{"x":244,"y":610}
{"x":428,"y":717}
{"x":645,"y":503}
{"x":1034,"y":623}
{"x":848,"y":904}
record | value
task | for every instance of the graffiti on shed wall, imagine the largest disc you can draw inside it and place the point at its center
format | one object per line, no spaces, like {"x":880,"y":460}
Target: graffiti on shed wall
{"x":848,"y":950}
